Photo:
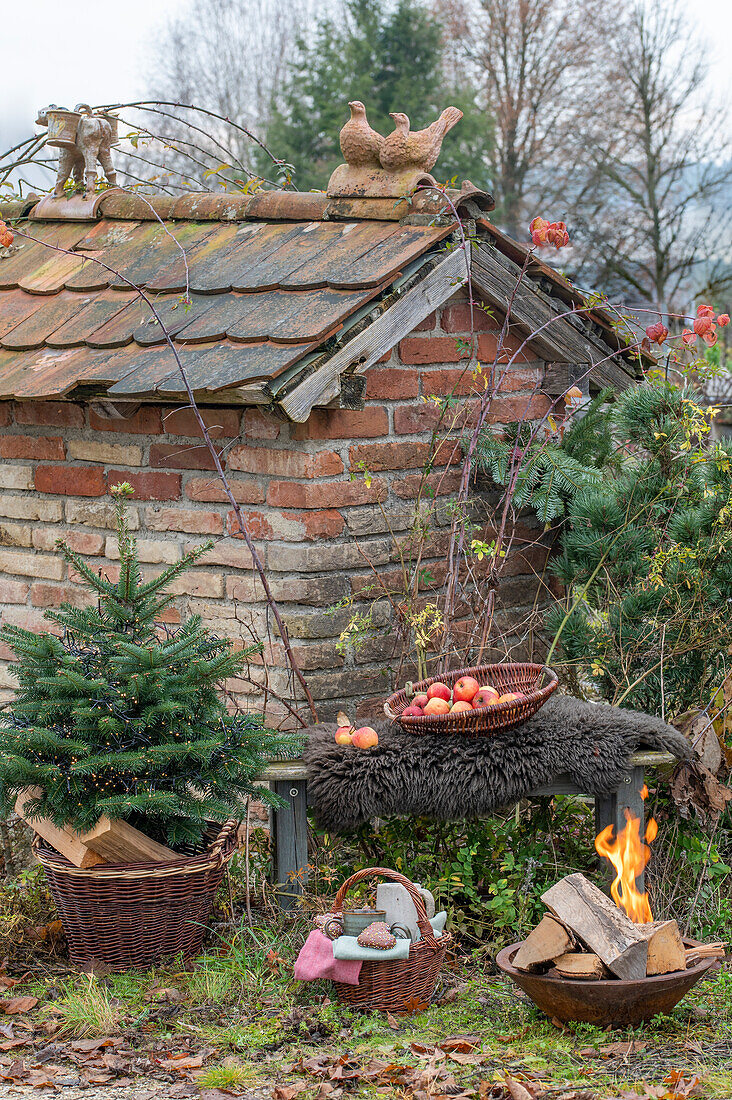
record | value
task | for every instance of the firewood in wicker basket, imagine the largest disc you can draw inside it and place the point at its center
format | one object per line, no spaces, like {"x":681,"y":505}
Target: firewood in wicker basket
{"x":67,"y":842}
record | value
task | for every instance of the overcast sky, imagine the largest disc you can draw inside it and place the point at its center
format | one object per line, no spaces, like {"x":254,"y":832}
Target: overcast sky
{"x":94,"y":51}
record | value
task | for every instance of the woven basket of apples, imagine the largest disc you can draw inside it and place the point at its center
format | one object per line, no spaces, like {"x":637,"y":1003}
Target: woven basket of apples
{"x":474,"y":702}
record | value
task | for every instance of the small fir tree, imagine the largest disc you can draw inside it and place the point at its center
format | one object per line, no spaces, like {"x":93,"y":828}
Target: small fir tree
{"x":123,"y":717}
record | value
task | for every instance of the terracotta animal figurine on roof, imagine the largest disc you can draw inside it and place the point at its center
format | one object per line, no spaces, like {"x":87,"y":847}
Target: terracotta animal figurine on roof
{"x":83,"y":138}
{"x":392,"y":166}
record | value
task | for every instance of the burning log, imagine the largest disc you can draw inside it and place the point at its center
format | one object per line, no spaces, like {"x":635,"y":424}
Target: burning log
{"x":606,"y":930}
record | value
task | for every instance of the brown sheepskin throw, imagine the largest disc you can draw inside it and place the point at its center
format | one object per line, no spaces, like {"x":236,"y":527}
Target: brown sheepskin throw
{"x":446,"y":779}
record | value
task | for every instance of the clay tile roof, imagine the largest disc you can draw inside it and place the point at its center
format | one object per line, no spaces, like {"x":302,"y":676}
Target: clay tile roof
{"x":270,"y":281}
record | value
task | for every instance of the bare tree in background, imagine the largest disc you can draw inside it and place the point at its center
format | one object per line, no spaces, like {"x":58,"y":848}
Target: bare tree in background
{"x":535,"y":64}
{"x":651,"y":209}
{"x":230,"y":56}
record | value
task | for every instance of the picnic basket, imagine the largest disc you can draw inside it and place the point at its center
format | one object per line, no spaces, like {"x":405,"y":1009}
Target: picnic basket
{"x":402,"y":985}
{"x":484,"y":721}
{"x":131,"y":915}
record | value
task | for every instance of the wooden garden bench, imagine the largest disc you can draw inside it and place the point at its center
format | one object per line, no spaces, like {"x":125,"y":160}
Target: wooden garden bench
{"x":288,"y":779}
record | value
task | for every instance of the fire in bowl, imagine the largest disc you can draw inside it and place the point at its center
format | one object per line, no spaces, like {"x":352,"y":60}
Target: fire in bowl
{"x":610,"y":1002}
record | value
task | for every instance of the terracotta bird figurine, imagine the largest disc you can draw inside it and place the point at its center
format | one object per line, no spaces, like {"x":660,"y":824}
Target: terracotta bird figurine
{"x":418,"y":149}
{"x":360,"y":144}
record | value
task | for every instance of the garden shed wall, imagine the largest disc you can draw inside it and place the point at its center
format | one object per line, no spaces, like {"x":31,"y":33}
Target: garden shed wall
{"x":316,"y":520}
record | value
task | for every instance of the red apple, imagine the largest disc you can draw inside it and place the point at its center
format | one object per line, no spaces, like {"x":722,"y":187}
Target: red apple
{"x":365,"y":737}
{"x":508,"y":697}
{"x":465,"y":689}
{"x":459,"y":706}
{"x":413,"y":712}
{"x":436,"y":705}
{"x":420,"y":700}
{"x":486,"y":697}
{"x":344,"y":735}
{"x":438,"y":690}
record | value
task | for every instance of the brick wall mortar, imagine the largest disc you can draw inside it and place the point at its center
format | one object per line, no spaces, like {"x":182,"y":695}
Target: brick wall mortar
{"x":304,"y":510}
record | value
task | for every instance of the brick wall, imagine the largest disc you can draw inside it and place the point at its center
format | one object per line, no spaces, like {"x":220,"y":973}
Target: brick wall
{"x":314,"y":517}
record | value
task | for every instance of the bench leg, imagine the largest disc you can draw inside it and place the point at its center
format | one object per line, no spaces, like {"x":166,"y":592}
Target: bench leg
{"x":610,"y":809}
{"x":289,"y":832}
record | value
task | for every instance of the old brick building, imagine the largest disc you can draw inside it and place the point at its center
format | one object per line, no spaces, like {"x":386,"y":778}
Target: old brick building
{"x":316,"y":330}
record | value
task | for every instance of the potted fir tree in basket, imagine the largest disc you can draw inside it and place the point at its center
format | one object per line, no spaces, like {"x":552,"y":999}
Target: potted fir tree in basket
{"x":119,"y":748}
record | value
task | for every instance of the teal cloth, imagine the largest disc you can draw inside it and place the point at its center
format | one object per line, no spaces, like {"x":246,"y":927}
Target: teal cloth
{"x":348,"y":947}
{"x":438,"y":923}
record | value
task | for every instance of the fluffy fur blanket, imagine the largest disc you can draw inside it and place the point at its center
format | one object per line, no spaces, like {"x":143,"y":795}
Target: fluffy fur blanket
{"x":465,"y":777}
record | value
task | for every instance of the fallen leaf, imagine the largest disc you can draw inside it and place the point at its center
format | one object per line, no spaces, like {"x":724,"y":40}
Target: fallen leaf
{"x":288,"y":1092}
{"x":18,"y":1004}
{"x":462,"y":1043}
{"x":621,"y":1050}
{"x":517,"y":1090}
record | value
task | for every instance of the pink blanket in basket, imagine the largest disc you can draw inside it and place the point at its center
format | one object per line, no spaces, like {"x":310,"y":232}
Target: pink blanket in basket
{"x":316,"y":961}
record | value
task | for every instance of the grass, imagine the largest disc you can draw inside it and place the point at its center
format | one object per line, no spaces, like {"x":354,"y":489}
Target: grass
{"x":84,"y":1011}
{"x":226,"y":1077}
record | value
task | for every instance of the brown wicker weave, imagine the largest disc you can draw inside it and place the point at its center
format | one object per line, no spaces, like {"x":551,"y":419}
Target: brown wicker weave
{"x":483,"y":721}
{"x":402,"y":985}
{"x":131,"y":915}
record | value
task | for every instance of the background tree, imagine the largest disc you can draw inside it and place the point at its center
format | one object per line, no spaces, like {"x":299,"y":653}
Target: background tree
{"x":650,"y":210}
{"x":230,"y":56}
{"x":534,"y":65}
{"x":391,"y":57}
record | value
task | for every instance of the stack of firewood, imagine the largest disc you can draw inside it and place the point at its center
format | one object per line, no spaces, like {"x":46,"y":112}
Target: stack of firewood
{"x":586,"y":936}
{"x":108,"y":842}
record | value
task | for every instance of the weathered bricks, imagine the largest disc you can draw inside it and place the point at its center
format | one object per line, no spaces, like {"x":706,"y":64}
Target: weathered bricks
{"x":93,"y":450}
{"x":43,"y":447}
{"x":183,"y":456}
{"x":30,"y":507}
{"x":29,"y":564}
{"x":72,"y":481}
{"x":55,"y":414}
{"x":148,"y":485}
{"x":147,"y":420}
{"x":219,"y":422}
{"x":296,"y":463}
{"x":211,"y":491}
{"x":329,"y":494}
{"x":98,"y":514}
{"x":391,"y":384}
{"x":16,"y":477}
{"x":183,"y":519}
{"x":431,"y":349}
{"x":389,"y":456}
{"x":343,"y":424}
{"x":258,"y":424}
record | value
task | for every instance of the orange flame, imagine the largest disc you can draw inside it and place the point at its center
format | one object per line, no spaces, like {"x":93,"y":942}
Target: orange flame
{"x":629,"y":856}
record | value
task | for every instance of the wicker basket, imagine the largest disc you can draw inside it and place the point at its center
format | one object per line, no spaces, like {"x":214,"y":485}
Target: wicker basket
{"x":403,"y":985}
{"x":131,"y":915}
{"x":483,"y":721}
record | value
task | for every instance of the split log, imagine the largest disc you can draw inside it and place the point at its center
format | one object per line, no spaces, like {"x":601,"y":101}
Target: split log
{"x":581,"y":965}
{"x":549,"y":939}
{"x":666,"y":951}
{"x":118,"y":842}
{"x":67,"y":842}
{"x":598,"y":922}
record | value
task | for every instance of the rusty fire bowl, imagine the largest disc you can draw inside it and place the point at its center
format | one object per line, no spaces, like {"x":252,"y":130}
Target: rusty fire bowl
{"x":604,"y":1002}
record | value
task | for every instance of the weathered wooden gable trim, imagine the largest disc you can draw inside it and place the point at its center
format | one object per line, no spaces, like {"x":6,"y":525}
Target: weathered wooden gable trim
{"x":498,"y":280}
{"x":324,"y":383}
